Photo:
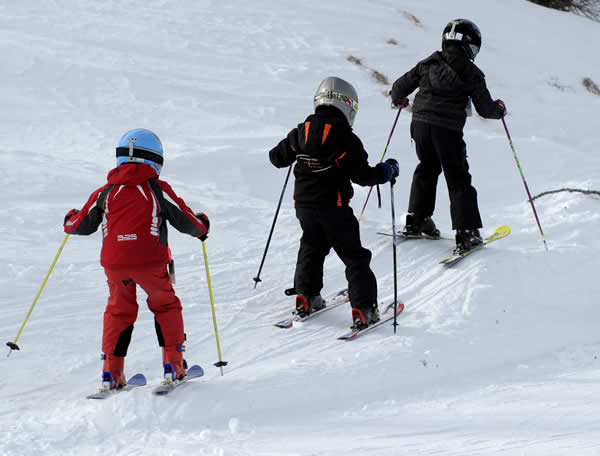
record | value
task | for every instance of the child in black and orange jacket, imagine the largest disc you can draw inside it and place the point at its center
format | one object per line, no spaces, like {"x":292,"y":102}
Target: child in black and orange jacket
{"x":329,"y":156}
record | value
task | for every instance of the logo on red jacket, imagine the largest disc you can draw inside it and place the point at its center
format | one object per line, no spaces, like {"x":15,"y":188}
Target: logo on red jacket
{"x":126,"y":237}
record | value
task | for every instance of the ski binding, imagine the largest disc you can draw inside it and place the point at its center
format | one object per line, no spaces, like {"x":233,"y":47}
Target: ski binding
{"x":168,"y":386}
{"x":387,"y":315}
{"x":337,"y":300}
{"x":133,"y":382}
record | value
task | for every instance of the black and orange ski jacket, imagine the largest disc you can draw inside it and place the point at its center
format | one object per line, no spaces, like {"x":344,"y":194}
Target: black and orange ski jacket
{"x":328,"y":156}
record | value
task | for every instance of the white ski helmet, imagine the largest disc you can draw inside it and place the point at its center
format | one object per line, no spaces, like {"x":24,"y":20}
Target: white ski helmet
{"x":334,"y":91}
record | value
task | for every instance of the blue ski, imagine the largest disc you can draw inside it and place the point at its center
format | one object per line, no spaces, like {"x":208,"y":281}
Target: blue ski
{"x":166,"y":387}
{"x":133,"y":382}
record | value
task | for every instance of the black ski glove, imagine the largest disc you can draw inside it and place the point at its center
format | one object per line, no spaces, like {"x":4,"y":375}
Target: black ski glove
{"x":502,"y":106}
{"x":402,"y":104}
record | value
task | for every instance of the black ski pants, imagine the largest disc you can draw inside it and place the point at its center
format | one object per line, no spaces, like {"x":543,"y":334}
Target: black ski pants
{"x":337,"y":228}
{"x":441,"y":149}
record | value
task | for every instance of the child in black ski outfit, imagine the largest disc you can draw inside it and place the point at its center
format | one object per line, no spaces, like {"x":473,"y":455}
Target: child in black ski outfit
{"x":446,"y":81}
{"x":328,"y":157}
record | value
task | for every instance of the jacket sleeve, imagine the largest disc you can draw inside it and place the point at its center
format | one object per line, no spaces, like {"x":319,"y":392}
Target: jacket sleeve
{"x":284,"y":154}
{"x":406,"y":84}
{"x":482,"y":100}
{"x":87,"y":220}
{"x":358,"y":167}
{"x":176,"y":211}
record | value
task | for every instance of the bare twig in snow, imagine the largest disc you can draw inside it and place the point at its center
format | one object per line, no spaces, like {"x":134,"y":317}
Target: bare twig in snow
{"x":572,"y":190}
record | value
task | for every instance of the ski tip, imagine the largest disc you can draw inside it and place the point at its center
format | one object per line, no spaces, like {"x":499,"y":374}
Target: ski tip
{"x":391,"y":306}
{"x":137,"y":380}
{"x":343,"y":292}
{"x":504,"y":230}
{"x":400,"y":308}
{"x":96,"y":396}
{"x":284,"y":324}
{"x":195,"y":371}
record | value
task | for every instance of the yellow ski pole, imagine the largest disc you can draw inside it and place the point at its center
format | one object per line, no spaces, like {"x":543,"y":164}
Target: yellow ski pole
{"x":220,"y":363}
{"x":13,"y":345}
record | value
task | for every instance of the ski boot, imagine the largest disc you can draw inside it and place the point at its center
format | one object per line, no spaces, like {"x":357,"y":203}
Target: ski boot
{"x":305,"y":305}
{"x":363,"y":318}
{"x":113,"y":376}
{"x":175,"y":367}
{"x":416,"y":226}
{"x":467,"y":240}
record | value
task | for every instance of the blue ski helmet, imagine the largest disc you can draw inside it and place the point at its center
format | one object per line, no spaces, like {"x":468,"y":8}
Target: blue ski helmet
{"x":140,"y":146}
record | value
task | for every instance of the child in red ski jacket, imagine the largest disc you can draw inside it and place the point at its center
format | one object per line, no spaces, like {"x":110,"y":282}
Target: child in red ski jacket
{"x":133,"y":208}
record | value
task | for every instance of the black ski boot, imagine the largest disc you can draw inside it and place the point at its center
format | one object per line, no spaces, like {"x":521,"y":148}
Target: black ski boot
{"x":467,"y":240}
{"x":305,"y":305}
{"x":362,"y":318}
{"x":416,"y":226}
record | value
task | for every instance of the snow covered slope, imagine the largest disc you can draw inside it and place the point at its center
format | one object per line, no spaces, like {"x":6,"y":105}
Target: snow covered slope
{"x":496,"y":356}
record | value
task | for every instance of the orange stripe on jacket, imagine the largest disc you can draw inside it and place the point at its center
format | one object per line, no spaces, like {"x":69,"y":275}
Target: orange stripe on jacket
{"x":326,"y":132}
{"x":339,"y":158}
{"x":306,"y":129}
{"x":339,"y":201}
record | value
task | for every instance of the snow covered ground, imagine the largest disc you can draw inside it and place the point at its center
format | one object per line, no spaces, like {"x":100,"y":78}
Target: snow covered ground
{"x":497,"y":356}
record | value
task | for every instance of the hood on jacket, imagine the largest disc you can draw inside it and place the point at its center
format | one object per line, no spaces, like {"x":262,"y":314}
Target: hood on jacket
{"x":131,"y":174}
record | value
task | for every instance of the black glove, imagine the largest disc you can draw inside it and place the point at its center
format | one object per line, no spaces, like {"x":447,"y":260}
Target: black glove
{"x":502,"y":106}
{"x":70,"y":214}
{"x":395,"y":167}
{"x":402,"y":104}
{"x":204,"y":219}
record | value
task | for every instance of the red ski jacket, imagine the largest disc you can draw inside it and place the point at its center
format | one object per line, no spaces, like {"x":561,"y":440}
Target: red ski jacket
{"x":133,"y":208}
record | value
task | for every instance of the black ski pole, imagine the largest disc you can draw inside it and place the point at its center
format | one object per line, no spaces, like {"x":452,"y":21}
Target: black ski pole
{"x":392,"y":182}
{"x":257,"y":278}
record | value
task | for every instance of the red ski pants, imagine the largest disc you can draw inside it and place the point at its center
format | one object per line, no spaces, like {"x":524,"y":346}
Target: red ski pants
{"x":121,"y":311}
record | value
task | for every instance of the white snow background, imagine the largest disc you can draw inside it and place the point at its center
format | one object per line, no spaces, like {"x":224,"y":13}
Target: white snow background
{"x":498,"y":356}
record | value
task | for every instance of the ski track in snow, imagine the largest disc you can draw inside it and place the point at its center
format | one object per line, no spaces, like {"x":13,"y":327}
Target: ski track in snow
{"x":498,"y":355}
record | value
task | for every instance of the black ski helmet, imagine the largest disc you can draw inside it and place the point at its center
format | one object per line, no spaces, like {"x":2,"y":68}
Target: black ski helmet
{"x":464,"y":33}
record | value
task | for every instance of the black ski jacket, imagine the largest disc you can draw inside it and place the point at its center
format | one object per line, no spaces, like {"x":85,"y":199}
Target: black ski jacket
{"x":328,"y":156}
{"x":446,"y":80}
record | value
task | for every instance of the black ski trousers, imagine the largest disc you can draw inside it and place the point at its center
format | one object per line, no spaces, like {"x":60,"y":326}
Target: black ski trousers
{"x":337,"y":228}
{"x":441,"y":149}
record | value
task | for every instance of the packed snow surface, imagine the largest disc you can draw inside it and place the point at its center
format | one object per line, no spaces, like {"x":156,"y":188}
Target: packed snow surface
{"x":498,"y":355}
